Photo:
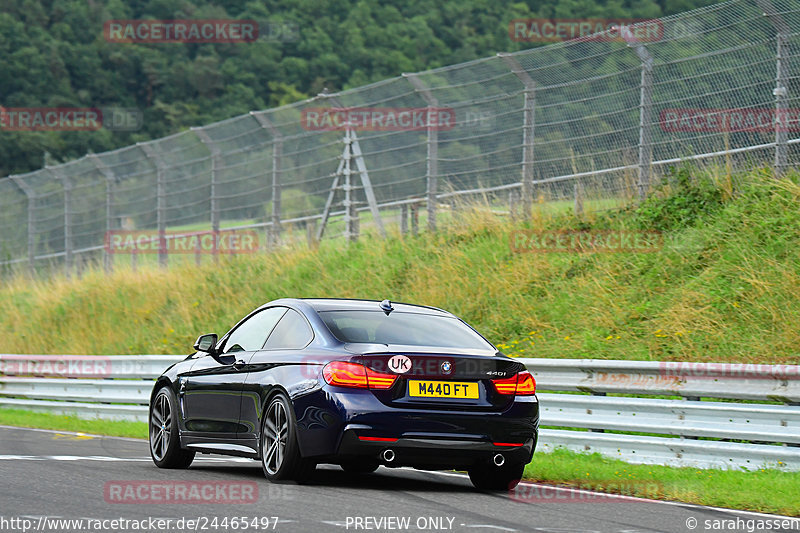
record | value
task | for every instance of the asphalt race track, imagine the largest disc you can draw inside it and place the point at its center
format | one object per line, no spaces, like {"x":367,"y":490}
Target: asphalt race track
{"x":49,"y":476}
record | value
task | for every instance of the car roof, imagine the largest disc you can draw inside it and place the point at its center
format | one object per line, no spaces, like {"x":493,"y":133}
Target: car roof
{"x":345,"y":304}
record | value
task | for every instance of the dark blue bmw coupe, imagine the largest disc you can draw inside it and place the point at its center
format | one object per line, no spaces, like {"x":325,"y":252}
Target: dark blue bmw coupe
{"x":358,"y":383}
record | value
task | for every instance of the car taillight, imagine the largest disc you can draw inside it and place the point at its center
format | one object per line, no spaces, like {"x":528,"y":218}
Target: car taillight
{"x":344,"y":374}
{"x":506,"y":385}
{"x":380,"y":381}
{"x":521,"y":384}
{"x":356,"y":376}
{"x":526,"y":386}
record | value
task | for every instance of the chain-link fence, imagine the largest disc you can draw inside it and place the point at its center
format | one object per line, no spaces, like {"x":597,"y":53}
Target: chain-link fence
{"x":596,"y":117}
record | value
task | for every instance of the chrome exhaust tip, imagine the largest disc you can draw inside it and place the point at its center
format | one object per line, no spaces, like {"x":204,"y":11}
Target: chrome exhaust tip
{"x":388,"y":455}
{"x":498,"y":459}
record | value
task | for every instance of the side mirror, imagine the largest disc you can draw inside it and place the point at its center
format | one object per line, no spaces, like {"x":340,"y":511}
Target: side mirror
{"x":206,"y":343}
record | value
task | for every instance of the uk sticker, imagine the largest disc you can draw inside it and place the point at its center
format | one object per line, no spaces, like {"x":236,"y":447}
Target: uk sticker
{"x":400,"y":364}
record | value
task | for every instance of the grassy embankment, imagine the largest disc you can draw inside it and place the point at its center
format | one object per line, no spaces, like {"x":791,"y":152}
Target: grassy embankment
{"x":725,"y":286}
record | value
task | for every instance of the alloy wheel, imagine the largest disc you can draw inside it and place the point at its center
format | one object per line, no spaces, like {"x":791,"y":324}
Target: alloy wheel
{"x":276,"y":432}
{"x":160,"y":427}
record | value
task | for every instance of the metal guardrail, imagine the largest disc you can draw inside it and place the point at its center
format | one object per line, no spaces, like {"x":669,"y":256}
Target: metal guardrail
{"x":676,"y":432}
{"x":83,"y":366}
{"x":683,"y":418}
{"x":90,"y":386}
{"x":679,"y":432}
{"x":778,"y":383}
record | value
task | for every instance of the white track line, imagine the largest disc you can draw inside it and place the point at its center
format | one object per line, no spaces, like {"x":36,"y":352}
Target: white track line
{"x":607,"y":495}
{"x":115,"y":459}
{"x":76,"y":433}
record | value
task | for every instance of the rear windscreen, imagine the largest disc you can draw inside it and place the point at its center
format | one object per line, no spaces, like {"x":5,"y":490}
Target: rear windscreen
{"x":402,"y":328}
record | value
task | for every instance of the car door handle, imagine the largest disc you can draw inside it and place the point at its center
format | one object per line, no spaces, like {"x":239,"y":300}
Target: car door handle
{"x":240,"y":364}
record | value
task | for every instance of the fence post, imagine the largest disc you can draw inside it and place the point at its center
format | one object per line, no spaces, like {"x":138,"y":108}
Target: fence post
{"x":433,"y":148}
{"x":161,"y":208}
{"x":645,"y":113}
{"x":528,"y":130}
{"x":366,"y":184}
{"x":403,"y":219}
{"x":31,"y":196}
{"x":277,"y":155}
{"x":578,"y":208}
{"x":349,"y":203}
{"x":311,"y":234}
{"x":109,"y":177}
{"x":68,"y":248}
{"x":781,"y":91}
{"x":215,"y":153}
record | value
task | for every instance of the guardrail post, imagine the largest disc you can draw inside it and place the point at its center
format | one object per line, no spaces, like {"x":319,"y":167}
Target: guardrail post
{"x":277,"y":156}
{"x":215,"y":165}
{"x":66,"y":184}
{"x":109,"y":177}
{"x":645,"y":114}
{"x":528,"y":130}
{"x":31,"y":197}
{"x":161,"y":207}
{"x":433,"y":148}
{"x":781,"y":91}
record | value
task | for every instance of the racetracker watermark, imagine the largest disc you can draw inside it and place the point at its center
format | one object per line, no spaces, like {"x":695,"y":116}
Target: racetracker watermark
{"x":70,"y":119}
{"x":65,"y":366}
{"x":174,"y":242}
{"x":279,"y":32}
{"x":682,"y":371}
{"x":601,"y":30}
{"x":533,"y":241}
{"x":180,"y":492}
{"x":181,"y":31}
{"x":378,"y":118}
{"x":729,"y":120}
{"x":420,"y":366}
{"x":613,"y":492}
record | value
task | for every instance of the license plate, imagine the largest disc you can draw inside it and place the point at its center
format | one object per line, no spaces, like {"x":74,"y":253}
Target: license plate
{"x":442,"y":389}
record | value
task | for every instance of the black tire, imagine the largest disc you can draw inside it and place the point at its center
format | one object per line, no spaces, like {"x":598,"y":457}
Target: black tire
{"x":363,"y":465}
{"x":279,"y":449}
{"x":496,"y":478}
{"x":165,"y":445}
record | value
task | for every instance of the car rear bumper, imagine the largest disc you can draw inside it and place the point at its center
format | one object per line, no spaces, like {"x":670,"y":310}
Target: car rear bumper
{"x":334,"y":425}
{"x":434,"y":453}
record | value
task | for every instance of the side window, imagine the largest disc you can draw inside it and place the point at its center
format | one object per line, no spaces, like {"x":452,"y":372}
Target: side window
{"x":292,"y":332}
{"x":251,"y":334}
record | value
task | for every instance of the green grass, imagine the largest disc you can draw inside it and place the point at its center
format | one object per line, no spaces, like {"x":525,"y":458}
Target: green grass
{"x":768,"y":491}
{"x":763,"y":490}
{"x":30,"y":419}
{"x":725,"y":287}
